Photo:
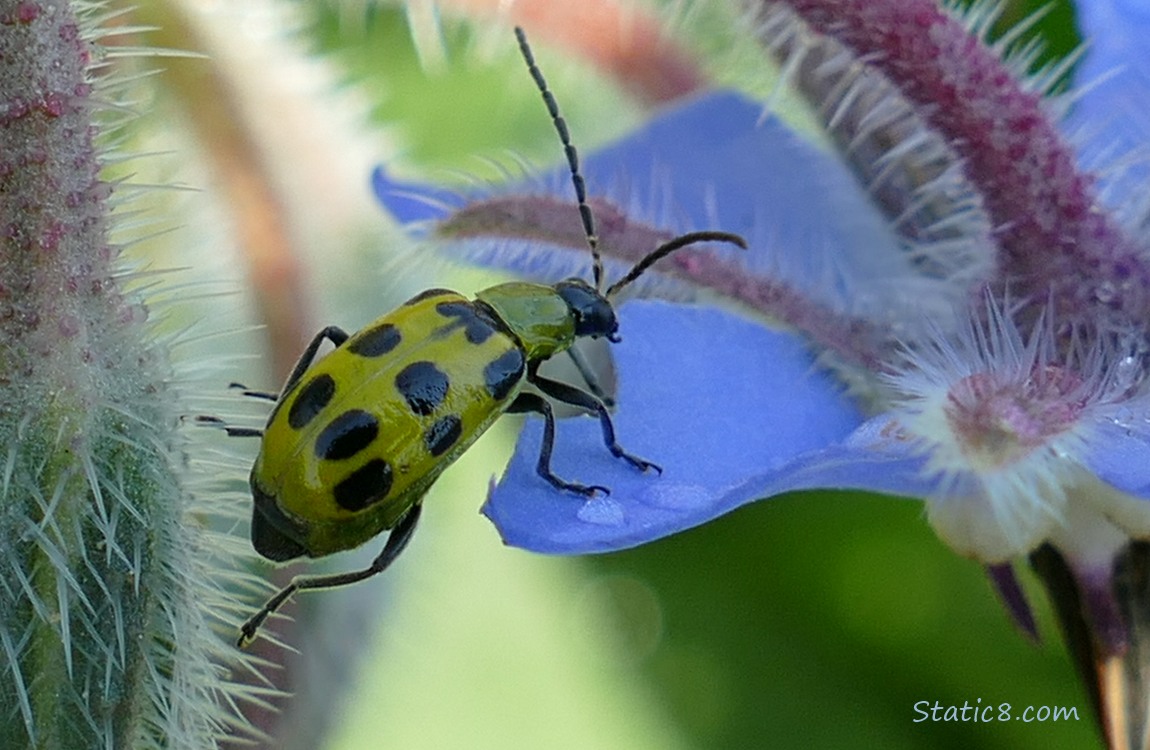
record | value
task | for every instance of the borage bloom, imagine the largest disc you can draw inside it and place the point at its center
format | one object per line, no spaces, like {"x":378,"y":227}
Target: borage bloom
{"x":945,"y":299}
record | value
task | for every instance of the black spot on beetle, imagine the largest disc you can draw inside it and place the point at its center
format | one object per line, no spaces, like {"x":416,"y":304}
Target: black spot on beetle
{"x":375,"y":342}
{"x":427,"y":294}
{"x":346,"y":435}
{"x":365,"y":486}
{"x":440,"y":436}
{"x":309,"y":402}
{"x":502,"y":373}
{"x":423,"y":386}
{"x":477,"y":323}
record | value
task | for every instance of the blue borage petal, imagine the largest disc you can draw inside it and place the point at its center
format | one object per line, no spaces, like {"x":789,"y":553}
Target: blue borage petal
{"x":1112,"y":112}
{"x":714,"y":163}
{"x":1117,"y":34}
{"x":710,"y":396}
{"x":1120,"y":457}
{"x":741,"y":414}
{"x":411,"y":203}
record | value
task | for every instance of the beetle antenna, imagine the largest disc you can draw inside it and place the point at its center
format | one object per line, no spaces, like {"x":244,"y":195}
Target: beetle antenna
{"x":668,"y":247}
{"x":572,"y":157}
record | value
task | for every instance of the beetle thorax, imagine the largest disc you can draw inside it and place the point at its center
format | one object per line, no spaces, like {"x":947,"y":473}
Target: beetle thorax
{"x":535,"y":313}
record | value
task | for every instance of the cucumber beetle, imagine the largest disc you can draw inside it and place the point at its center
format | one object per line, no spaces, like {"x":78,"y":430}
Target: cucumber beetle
{"x":357,"y":437}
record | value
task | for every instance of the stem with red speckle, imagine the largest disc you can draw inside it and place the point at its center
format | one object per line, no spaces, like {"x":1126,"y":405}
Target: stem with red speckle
{"x":1055,"y":241}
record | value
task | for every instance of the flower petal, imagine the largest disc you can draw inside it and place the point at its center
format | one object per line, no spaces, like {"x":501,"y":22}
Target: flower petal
{"x":731,"y":398}
{"x":1120,"y":455}
{"x":1111,"y":113}
{"x":411,"y":202}
{"x":714,"y":162}
{"x":1118,"y":45}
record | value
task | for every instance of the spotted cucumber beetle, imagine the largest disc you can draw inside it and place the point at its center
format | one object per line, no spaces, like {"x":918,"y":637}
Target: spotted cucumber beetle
{"x":358,"y":436}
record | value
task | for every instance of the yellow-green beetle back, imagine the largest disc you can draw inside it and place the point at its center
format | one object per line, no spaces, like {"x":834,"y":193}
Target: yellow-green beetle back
{"x":367,"y":429}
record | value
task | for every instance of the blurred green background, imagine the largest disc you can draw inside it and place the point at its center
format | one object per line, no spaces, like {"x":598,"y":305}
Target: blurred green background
{"x":810,"y":621}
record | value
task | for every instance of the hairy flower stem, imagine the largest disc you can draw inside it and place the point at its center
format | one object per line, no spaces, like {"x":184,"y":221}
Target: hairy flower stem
{"x":548,"y":219}
{"x":103,"y":575}
{"x":1055,"y":243}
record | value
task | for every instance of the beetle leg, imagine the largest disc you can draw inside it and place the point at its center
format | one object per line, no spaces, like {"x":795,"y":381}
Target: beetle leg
{"x":264,"y":395}
{"x":396,"y":542}
{"x":569,"y":394}
{"x":231,"y":431}
{"x":584,"y":368}
{"x":334,"y":334}
{"x":533,"y":402}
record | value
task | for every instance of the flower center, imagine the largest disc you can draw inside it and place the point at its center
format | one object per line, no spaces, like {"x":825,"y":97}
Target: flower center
{"x":999,"y":422}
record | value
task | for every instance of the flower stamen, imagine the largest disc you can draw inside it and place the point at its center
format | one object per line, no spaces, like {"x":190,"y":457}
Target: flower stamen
{"x":998,"y":423}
